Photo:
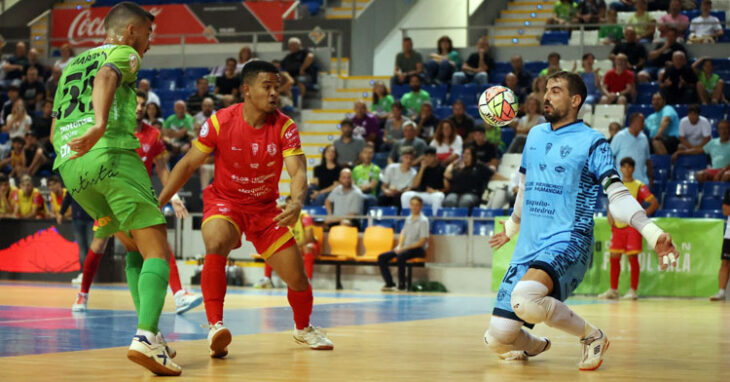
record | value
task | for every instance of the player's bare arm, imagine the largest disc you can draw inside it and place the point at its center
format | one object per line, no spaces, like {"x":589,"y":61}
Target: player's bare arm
{"x":296,"y":166}
{"x":182,"y":172}
{"x":105,"y":85}
{"x":164,"y":174}
{"x":512,"y":225}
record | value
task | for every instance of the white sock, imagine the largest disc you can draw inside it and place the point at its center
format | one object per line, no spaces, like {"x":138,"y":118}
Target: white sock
{"x":721,"y":292}
{"x":529,"y":343}
{"x":150,"y":336}
{"x":505,"y":335}
{"x":565,"y":319}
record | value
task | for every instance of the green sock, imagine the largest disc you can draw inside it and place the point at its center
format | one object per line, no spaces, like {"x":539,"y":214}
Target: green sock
{"x":152,"y":290}
{"x":134,"y":267}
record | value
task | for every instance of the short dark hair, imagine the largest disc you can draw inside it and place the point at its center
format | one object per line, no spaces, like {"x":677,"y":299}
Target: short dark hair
{"x":3,"y":178}
{"x":142,"y":94}
{"x":585,"y":56}
{"x":348,"y":122}
{"x":229,"y":59}
{"x":407,"y":39}
{"x":18,"y":140}
{"x":418,"y":198}
{"x":54,"y":179}
{"x":693,"y":108}
{"x":635,"y":115}
{"x":430,"y":150}
{"x":458,"y":102}
{"x":201,"y":79}
{"x":123,"y":12}
{"x":397,"y":105}
{"x":628,"y":161}
{"x":576,"y":86}
{"x":553,"y":55}
{"x":252,"y":69}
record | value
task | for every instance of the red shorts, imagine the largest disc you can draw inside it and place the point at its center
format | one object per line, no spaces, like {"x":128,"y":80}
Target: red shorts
{"x":626,"y":240}
{"x":256,"y":221}
{"x":713,"y":172}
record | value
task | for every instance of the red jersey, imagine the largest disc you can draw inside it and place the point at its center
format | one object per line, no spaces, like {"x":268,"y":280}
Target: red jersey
{"x":616,"y":83}
{"x":248,"y":161}
{"x":151,"y":145}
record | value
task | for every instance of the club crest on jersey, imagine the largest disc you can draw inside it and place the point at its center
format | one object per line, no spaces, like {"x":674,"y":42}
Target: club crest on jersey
{"x":271,"y":149}
{"x":133,"y":63}
{"x":548,"y":147}
{"x":204,"y":130}
{"x":145,"y":147}
{"x":565,"y":150}
{"x":255,"y":148}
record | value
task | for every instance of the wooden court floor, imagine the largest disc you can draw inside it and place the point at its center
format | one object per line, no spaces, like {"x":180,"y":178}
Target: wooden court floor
{"x":378,"y":337}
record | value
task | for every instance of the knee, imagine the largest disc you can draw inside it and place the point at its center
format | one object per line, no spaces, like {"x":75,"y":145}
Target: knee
{"x":217,"y":246}
{"x":527,"y":301}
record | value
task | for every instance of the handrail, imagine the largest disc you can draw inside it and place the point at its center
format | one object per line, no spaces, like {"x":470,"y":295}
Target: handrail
{"x":291,"y":9}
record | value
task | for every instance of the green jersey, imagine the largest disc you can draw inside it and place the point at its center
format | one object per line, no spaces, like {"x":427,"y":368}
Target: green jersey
{"x":72,"y":106}
{"x":363,"y":175}
{"x":172,"y":122}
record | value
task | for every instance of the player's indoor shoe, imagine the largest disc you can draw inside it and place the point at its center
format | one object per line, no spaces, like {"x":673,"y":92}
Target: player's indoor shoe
{"x":631,"y":295}
{"x":170,"y":350}
{"x":185,"y":301}
{"x":219,"y":337}
{"x":152,"y":356}
{"x":720,"y":296}
{"x":77,"y":280}
{"x":80,"y":303}
{"x":594,"y":347}
{"x":314,"y":338}
{"x":521,"y":355}
{"x":610,"y":294}
{"x":264,"y":283}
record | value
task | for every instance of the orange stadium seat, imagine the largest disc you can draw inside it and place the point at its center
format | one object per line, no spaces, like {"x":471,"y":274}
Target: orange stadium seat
{"x":343,"y":241}
{"x":377,"y":240}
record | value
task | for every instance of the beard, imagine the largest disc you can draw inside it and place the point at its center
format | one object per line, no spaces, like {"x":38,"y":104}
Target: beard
{"x":553,"y":116}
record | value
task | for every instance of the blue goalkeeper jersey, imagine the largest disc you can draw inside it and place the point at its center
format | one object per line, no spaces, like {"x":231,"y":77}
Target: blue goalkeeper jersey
{"x":565,"y":170}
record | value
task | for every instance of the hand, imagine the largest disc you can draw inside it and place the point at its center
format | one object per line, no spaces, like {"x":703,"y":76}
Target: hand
{"x":59,"y":219}
{"x":664,"y":247}
{"x":289,"y":215}
{"x":313,"y":195}
{"x":84,"y":143}
{"x":500,"y":239}
{"x":430,"y":190}
{"x":180,"y":211}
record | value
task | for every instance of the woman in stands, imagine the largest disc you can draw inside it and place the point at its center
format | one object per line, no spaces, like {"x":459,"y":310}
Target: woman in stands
{"x":443,"y":63}
{"x":532,"y":117}
{"x":325,"y":179}
{"x":18,"y":123}
{"x":153,"y":113}
{"x":539,"y":87}
{"x":466,"y":181}
{"x":448,"y":144}
{"x":67,"y":54}
{"x":382,"y":101}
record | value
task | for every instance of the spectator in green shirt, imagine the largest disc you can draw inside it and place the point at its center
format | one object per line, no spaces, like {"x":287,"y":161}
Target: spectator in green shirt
{"x":493,"y":135}
{"x":643,"y":22}
{"x":412,"y":100}
{"x":564,"y":11}
{"x":382,"y":101}
{"x":553,"y":65}
{"x":179,"y":128}
{"x":612,"y":32}
{"x":709,"y":85}
{"x":365,"y":175}
{"x":443,"y":63}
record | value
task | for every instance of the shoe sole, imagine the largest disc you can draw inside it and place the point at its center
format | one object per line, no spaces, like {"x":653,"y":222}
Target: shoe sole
{"x":150,"y":364}
{"x":605,"y":349}
{"x":78,"y":310}
{"x":193,"y":305}
{"x":219,"y":344}
{"x":321,"y":347}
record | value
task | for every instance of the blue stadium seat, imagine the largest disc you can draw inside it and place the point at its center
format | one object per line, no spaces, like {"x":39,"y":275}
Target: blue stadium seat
{"x":643,"y":109}
{"x":315,"y":210}
{"x":535,"y":67}
{"x":681,"y":110}
{"x":442,"y":112}
{"x":657,"y":189}
{"x":473,"y":112}
{"x":672,"y":214}
{"x":437,"y":93}
{"x":716,"y":112}
{"x":448,"y":228}
{"x":381,"y":159}
{"x":694,"y":162}
{"x":150,"y":75}
{"x":681,"y":188}
{"x":191,"y":75}
{"x":399,"y":90}
{"x":708,"y":214}
{"x":506,"y":67}
{"x":378,"y":214}
{"x":721,"y":63}
{"x":467,"y":93}
{"x":714,"y":189}
{"x":170,"y":78}
{"x":455,"y":212}
{"x":683,"y":173}
{"x":484,"y":227}
{"x":648,"y":87}
{"x":679,"y":203}
{"x":661,"y":161}
{"x":661,"y":174}
{"x":508,"y":134}
{"x":487,"y":212}
{"x":555,"y":37}
{"x":710,"y":203}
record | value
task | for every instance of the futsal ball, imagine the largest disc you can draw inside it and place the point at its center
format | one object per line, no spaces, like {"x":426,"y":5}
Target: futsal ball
{"x":498,"y":106}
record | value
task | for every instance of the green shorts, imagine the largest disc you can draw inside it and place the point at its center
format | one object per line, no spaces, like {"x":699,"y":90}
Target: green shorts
{"x":113,"y":187}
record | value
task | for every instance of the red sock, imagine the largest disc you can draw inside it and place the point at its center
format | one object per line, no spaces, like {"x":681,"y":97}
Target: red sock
{"x":175,"y":284}
{"x":91,"y":265}
{"x":268,"y":270}
{"x":213,"y":284}
{"x":309,"y":262}
{"x":615,"y":271}
{"x":634,"y":263}
{"x":301,"y":304}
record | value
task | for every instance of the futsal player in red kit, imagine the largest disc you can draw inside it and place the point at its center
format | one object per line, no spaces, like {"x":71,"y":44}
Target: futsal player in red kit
{"x":251,"y":142}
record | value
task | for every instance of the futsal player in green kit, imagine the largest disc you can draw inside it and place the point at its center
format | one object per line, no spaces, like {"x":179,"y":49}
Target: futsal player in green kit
{"x":93,"y":135}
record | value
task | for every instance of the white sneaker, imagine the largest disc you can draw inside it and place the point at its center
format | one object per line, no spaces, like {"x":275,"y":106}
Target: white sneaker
{"x":314,"y":338}
{"x":80,"y":303}
{"x":219,"y":337}
{"x":521,"y":355}
{"x":153,"y":357}
{"x":78,"y":279}
{"x":264,"y":283}
{"x":631,"y":295}
{"x":185,"y":301}
{"x":593,"y":350}
{"x":170,"y":350}
{"x":718,"y":297}
{"x":610,"y":294}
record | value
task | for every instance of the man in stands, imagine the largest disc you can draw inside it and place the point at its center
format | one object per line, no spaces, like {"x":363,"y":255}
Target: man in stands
{"x":679,"y":81}
{"x":298,"y":63}
{"x":15,"y":65}
{"x":618,"y":84}
{"x":634,"y":51}
{"x":524,"y":79}
{"x":463,"y":123}
{"x":412,"y":243}
{"x":719,"y":151}
{"x":152,"y":97}
{"x":195,"y":101}
{"x":674,"y":18}
{"x":179,"y":128}
{"x":207,"y":109}
{"x":553,"y":64}
{"x":347,"y":146}
{"x":408,"y":63}
{"x":410,"y":140}
{"x":661,"y":55}
{"x":632,"y":143}
{"x":27,"y":200}
{"x":484,"y":151}
{"x":345,"y":201}
{"x":663,"y":126}
{"x":705,"y":28}
{"x":694,"y":133}
{"x":366,"y":175}
{"x":397,"y":178}
{"x":413,"y":100}
{"x":32,"y":90}
{"x":366,"y":125}
{"x":426,"y":122}
{"x":477,"y":67}
{"x":428,"y":183}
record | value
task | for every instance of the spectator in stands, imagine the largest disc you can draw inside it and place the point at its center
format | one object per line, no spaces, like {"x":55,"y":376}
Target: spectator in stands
{"x":634,"y":51}
{"x":428,"y":183}
{"x":709,"y":85}
{"x":152,"y":97}
{"x":533,"y":116}
{"x":32,"y":90}
{"x":18,"y":123}
{"x":298,"y":63}
{"x":447,"y":143}
{"x":153,"y":113}
{"x":286,"y":83}
{"x":397,"y":178}
{"x":67,"y":53}
{"x":382,"y":101}
{"x":524,"y":79}
{"x":624,"y":5}
{"x":618,"y":84}
{"x":52,"y":82}
{"x":511,"y":82}
{"x":611,"y":33}
{"x":679,"y":82}
{"x":662,"y":55}
{"x":35,"y":154}
{"x":674,"y":18}
{"x":409,"y":140}
{"x":477,"y":67}
{"x":694,"y":132}
{"x":591,"y":12}
{"x":207,"y":109}
{"x":462,"y":122}
{"x":41,"y":125}
{"x":16,"y":160}
{"x":724,"y":272}
{"x":366,"y":124}
{"x":195,"y":100}
{"x":642,"y":21}
{"x":663,"y":126}
{"x":493,"y":135}
{"x":325,"y":179}
{"x":719,"y":151}
{"x":413,"y":100}
{"x":348,"y":147}
{"x":33,"y":62}
{"x":591,"y":77}
{"x":705,"y":28}
{"x":466,"y":181}
{"x":412,"y":244}
{"x":15,"y":65}
{"x":631,"y":142}
{"x":367,"y":174}
{"x":408,"y":63}
{"x":444,"y":62}
{"x":394,"y":125}
{"x":564,"y":12}
{"x":179,"y":128}
{"x":6,"y":204}
{"x":426,"y":122}
{"x":55,"y":198}
{"x":245,"y":55}
{"x":484,"y":151}
{"x":27,"y":200}
{"x":539,"y":87}
{"x":553,"y":65}
{"x":344,"y":202}
{"x":229,"y":81}
{"x":613,"y":129}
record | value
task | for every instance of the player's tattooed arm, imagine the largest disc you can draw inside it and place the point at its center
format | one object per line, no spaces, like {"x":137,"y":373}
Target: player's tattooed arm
{"x":102,"y":97}
{"x":296,"y":166}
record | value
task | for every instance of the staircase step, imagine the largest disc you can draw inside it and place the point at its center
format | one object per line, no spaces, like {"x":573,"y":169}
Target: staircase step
{"x":520,"y":21}
{"x":517,"y":31}
{"x":341,"y":102}
{"x":530,"y":5}
{"x":319,"y":137}
{"x":324,"y":114}
{"x":525,"y":14}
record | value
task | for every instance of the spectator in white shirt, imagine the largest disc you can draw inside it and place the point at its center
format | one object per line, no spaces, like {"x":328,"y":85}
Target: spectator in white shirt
{"x":448,"y":144}
{"x":144,"y":85}
{"x":705,"y":28}
{"x":694,"y":132}
{"x":397,"y":178}
{"x":207,"y":109}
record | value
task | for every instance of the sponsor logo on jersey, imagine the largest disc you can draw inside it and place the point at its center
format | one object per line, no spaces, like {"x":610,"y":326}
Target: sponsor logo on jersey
{"x":548,"y":147}
{"x":204,"y":130}
{"x":290,"y":133}
{"x":254,"y":165}
{"x":560,"y":169}
{"x":234,"y":148}
{"x":271,"y":149}
{"x":255,"y":148}
{"x":133,"y":64}
{"x":542,"y":166}
{"x":271,"y":163}
{"x":565,"y":151}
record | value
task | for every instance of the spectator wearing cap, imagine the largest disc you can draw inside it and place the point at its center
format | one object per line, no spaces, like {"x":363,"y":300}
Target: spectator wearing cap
{"x":152,"y":97}
{"x":663,"y":126}
{"x":413,"y":100}
{"x":428,"y":183}
{"x":719,"y":151}
{"x":394,"y":124}
{"x":397,"y":178}
{"x":694,"y":133}
{"x":229,"y":81}
{"x":426,"y":122}
{"x":410,"y":140}
{"x":366,"y":124}
{"x":710,"y":86}
{"x":705,"y":28}
{"x":348,"y":147}
{"x":466,"y":181}
{"x":477,"y":66}
{"x":344,"y":202}
{"x":202,"y":91}
{"x":408,"y":63}
{"x":298,"y":63}
{"x":679,"y":82}
{"x":447,"y":144}
{"x":631,"y":142}
{"x":462,"y":122}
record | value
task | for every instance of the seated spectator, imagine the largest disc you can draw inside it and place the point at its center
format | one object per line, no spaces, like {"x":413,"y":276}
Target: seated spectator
{"x":298,"y":63}
{"x":447,"y":143}
{"x":484,"y":152}
{"x":426,"y":122}
{"x":477,"y":67}
{"x":245,"y":55}
{"x":325,"y":177}
{"x":611,"y":33}
{"x":207,"y":109}
{"x":613,"y":129}
{"x":67,"y":53}
{"x":591,"y":77}
{"x":408,"y":63}
{"x":642,"y":21}
{"x":591,"y":12}
{"x":36,"y":154}
{"x":32,"y":90}
{"x":41,"y":125}
{"x":6,"y":201}
{"x":709,"y":85}
{"x":428,"y":183}
{"x":366,"y":175}
{"x":694,"y":132}
{"x":55,"y":199}
{"x":493,"y":135}
{"x":410,"y":140}
{"x":413,"y":100}
{"x":195,"y":100}
{"x":679,"y":82}
{"x":511,"y":83}
{"x":466,"y":181}
{"x":663,"y":126}
{"x":16,"y":160}
{"x":634,"y":51}
{"x":662,"y":55}
{"x":412,"y":243}
{"x":27,"y":200}
{"x":563,"y":12}
{"x":397,"y":178}
{"x":524,"y":78}
{"x":348,"y":147}
{"x":443,"y":63}
{"x":366,"y":124}
{"x":539,"y":87}
{"x":705,"y":28}
{"x":533,"y":116}
{"x":394,"y":125}
{"x":553,"y":65}
{"x":15,"y":65}
{"x":631,"y":142}
{"x":618,"y":84}
{"x":179,"y":128}
{"x":382,"y":101}
{"x":152,"y":97}
{"x":462,"y":123}
{"x":52,"y":82}
{"x":18,"y":122}
{"x":623,"y":5}
{"x":153,"y":113}
{"x":344,"y":202}
{"x":674,"y":18}
{"x":286,"y":82}
{"x":719,"y":151}
{"x":34,"y":62}
{"x":229,"y":81}
{"x":228,"y":100}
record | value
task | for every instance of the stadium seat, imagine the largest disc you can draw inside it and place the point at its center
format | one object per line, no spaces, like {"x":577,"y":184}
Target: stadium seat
{"x":437,"y":93}
{"x":448,"y":228}
{"x":376,"y":240}
{"x":708,"y":214}
{"x":485,"y":227}
{"x":378,"y":213}
{"x":643,"y":109}
{"x":714,"y":189}
{"x":381,"y":159}
{"x":473,"y":112}
{"x":710,"y":203}
{"x":661,"y":161}
{"x":399,"y":90}
{"x":605,"y":114}
{"x":447,"y":212}
{"x":681,"y":110}
{"x":314,"y":210}
{"x":683,"y":188}
{"x":672,"y":214}
{"x":191,"y":75}
{"x":715,"y":112}
{"x":694,"y":162}
{"x":150,"y":75}
{"x":343,"y":241}
{"x":508,"y":134}
{"x":170,"y":78}
{"x":683,"y":173}
{"x":721,"y":64}
{"x":535,"y":67}
{"x":657,"y":189}
{"x":555,"y":37}
{"x":467,"y":93}
{"x":442,"y":112}
{"x":661,"y":174}
{"x":679,"y":203}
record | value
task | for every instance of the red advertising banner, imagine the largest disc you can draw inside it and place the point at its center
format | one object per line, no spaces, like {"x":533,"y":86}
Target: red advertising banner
{"x":85,"y":27}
